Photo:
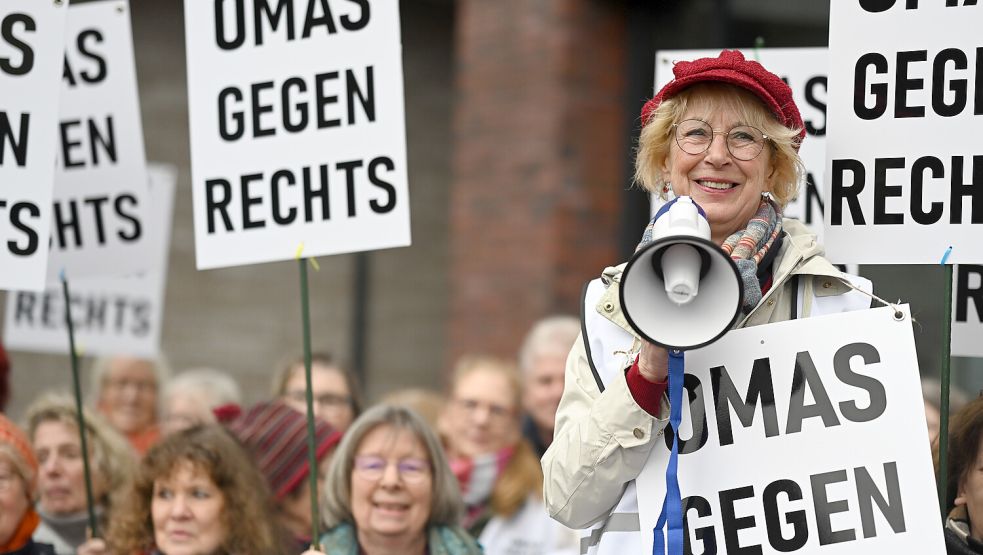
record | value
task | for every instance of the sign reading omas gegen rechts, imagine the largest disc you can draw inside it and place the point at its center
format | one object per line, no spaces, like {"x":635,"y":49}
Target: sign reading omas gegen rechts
{"x":297,"y":128}
{"x":99,"y":225}
{"x":805,"y":436}
{"x":31,"y":47}
{"x":904,"y":177}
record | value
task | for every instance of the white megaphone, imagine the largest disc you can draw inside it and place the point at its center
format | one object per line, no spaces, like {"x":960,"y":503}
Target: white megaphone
{"x":681,"y":291}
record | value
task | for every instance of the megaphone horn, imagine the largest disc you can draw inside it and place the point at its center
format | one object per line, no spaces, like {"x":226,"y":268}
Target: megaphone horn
{"x":681,"y":291}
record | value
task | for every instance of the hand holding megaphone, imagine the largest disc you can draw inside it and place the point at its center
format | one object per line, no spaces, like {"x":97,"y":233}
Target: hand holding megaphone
{"x":653,"y":362}
{"x":681,"y":291}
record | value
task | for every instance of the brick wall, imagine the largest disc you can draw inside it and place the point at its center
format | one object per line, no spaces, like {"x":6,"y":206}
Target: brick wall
{"x":537,"y":171}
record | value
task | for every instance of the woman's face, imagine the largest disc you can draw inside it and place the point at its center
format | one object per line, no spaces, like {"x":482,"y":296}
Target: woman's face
{"x":481,"y":417}
{"x":129,"y":395}
{"x":332,"y":399}
{"x":186,"y":510}
{"x":728,"y":189}
{"x":13,"y":500}
{"x":392,"y":485}
{"x":61,"y":479}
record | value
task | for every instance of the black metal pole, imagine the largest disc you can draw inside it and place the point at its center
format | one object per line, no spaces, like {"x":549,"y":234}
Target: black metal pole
{"x":73,"y":356}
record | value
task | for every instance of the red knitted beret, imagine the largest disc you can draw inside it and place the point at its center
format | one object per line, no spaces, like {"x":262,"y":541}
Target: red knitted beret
{"x":276,"y":435}
{"x":731,"y":67}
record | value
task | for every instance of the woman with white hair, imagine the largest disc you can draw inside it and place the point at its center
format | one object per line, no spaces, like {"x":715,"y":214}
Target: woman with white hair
{"x":125,"y":391}
{"x":542,"y":362}
{"x":191,"y":397}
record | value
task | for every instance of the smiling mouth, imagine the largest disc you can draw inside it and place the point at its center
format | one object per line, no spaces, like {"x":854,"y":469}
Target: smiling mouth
{"x":391,"y":506}
{"x":716,"y":185}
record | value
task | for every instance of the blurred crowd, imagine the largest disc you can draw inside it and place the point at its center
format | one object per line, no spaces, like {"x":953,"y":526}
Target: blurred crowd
{"x":178,"y":465}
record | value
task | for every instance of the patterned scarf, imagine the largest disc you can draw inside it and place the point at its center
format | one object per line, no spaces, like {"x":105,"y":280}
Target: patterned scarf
{"x":747,"y":247}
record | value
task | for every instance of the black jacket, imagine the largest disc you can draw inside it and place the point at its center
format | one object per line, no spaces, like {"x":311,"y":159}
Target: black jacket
{"x":33,"y":549}
{"x":954,"y":545}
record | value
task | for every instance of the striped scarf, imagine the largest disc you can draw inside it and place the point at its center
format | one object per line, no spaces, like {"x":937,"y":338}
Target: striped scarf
{"x":747,"y":247}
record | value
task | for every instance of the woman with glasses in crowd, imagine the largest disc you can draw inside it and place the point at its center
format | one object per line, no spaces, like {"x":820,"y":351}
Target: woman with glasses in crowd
{"x":334,"y":388}
{"x":497,"y":470}
{"x":125,"y":391}
{"x":390,"y":491}
{"x":726,"y":132}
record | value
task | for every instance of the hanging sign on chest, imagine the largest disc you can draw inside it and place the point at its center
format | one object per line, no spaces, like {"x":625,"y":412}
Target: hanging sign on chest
{"x":804,"y":436}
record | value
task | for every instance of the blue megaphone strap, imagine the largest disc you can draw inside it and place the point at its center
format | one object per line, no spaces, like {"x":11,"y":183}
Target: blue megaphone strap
{"x":671,"y":515}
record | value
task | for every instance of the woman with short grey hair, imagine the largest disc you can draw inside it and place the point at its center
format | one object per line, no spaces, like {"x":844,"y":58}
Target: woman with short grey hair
{"x":390,"y":490}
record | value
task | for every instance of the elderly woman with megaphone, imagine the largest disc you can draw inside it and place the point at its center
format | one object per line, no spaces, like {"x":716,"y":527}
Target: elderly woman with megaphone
{"x":726,"y":133}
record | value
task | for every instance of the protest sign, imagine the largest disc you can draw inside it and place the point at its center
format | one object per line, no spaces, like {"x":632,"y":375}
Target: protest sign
{"x":967,"y":311}
{"x":803,"y":436}
{"x":31,"y":47}
{"x":297,"y":129}
{"x":904,"y":176}
{"x":99,"y":226}
{"x":805,"y":70}
{"x":111,"y":315}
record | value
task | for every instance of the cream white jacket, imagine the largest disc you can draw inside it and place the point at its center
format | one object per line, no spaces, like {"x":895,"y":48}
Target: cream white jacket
{"x":602,"y":437}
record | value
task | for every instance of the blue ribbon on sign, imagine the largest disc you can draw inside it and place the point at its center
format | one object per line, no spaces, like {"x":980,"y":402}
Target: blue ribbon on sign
{"x":672,"y":506}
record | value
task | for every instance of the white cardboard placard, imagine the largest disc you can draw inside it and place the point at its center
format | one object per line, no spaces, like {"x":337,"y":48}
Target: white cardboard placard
{"x":843,"y":454}
{"x":297,"y":131}
{"x":31,"y":47}
{"x":904,"y":174}
{"x":805,"y":70}
{"x":111,"y":315}
{"x":99,"y":225}
{"x":967,"y":311}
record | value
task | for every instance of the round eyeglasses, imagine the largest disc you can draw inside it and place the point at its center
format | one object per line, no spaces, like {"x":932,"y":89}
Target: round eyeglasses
{"x":695,"y":136}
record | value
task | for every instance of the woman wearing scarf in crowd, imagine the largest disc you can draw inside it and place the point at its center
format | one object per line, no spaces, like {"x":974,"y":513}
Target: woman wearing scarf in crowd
{"x":964,"y":487}
{"x":725,"y":132}
{"x":18,"y":473}
{"x":196,"y":492}
{"x":498,"y":471}
{"x":390,"y":492}
{"x":52,"y":425}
